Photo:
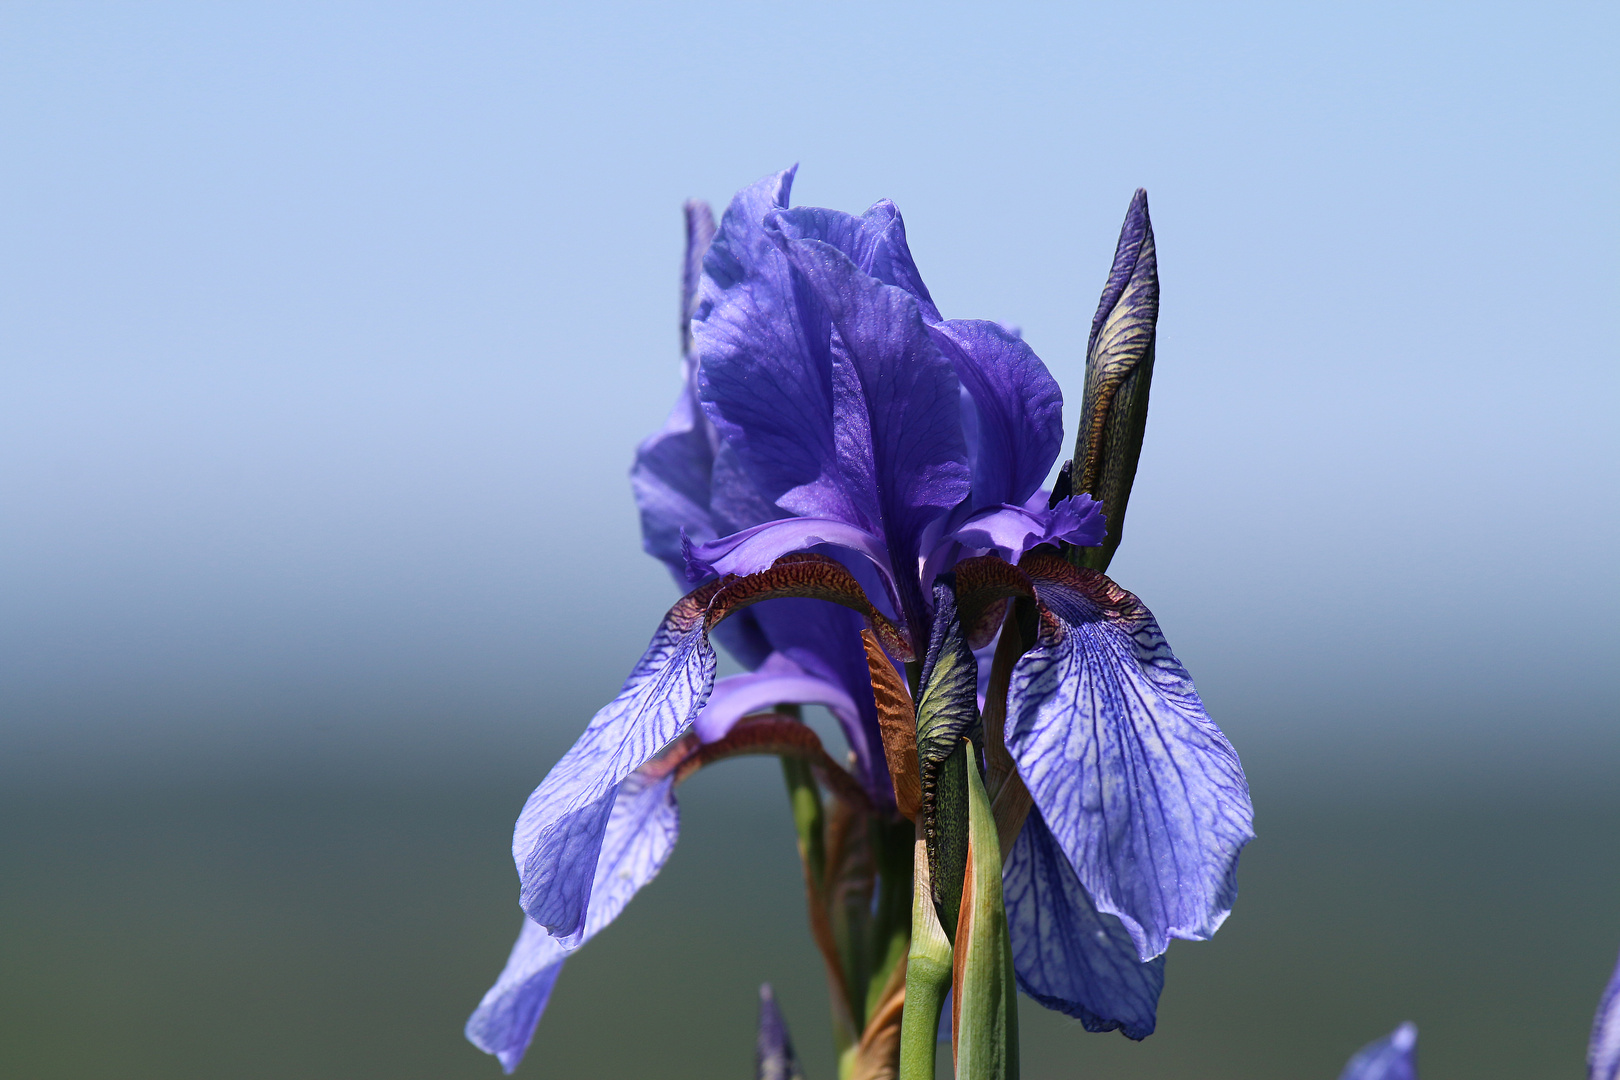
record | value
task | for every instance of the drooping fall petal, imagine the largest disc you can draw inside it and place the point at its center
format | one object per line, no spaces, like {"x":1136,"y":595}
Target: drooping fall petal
{"x":641,"y":830}
{"x":1069,"y":956}
{"x":559,"y":833}
{"x":1141,"y":790}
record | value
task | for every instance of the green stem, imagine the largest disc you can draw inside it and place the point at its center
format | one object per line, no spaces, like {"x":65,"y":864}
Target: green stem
{"x":891,"y":921}
{"x":809,"y":821}
{"x":928,"y":974}
{"x":986,"y":1006}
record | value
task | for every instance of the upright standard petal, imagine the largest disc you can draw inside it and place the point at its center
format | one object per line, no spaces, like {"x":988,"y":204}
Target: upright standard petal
{"x":1069,"y":956}
{"x":1139,"y":787}
{"x":559,"y":833}
{"x":1394,"y":1057}
{"x":875,"y":242}
{"x":897,"y":405}
{"x":821,"y":376}
{"x":640,"y":835}
{"x":765,"y":365}
{"x":671,"y":475}
{"x":683,"y":485}
{"x":1017,"y":407}
{"x":1603,"y":1052}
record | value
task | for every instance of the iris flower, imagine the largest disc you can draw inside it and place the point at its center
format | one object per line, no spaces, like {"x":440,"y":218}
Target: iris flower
{"x":838,"y":448}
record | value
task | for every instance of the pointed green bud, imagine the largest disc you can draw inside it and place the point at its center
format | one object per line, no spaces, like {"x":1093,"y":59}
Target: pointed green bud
{"x":1119,"y":371}
{"x":947,"y":714}
{"x":984,"y":1029}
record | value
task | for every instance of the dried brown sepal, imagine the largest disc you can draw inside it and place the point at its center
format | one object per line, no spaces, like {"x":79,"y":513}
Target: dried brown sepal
{"x":1010,"y":808}
{"x":816,"y":577}
{"x":773,"y":733}
{"x":984,"y":584}
{"x":897,"y":722}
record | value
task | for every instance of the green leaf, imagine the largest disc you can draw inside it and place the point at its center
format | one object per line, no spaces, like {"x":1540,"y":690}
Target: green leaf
{"x":984,"y":1030}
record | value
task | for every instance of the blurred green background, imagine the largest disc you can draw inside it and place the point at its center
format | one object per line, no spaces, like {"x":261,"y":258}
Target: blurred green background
{"x":327,"y":331}
{"x":298,"y":929}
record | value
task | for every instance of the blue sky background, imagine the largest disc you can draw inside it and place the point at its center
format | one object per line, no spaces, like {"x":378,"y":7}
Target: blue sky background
{"x":327,"y":332}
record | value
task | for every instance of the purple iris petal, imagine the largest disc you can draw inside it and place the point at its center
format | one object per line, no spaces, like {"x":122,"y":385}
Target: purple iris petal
{"x":897,"y":404}
{"x":680,"y":480}
{"x":1603,"y":1052}
{"x":1394,"y":1057}
{"x":671,"y":475}
{"x":778,"y":681}
{"x":765,"y":366}
{"x":825,"y":640}
{"x":774,"y":1058}
{"x":875,"y":242}
{"x":1009,"y":530}
{"x":1016,"y":409}
{"x":559,"y":833}
{"x":824,"y":380}
{"x":1138,"y":785}
{"x":755,"y":549}
{"x":504,"y":1021}
{"x":1068,"y":956}
{"x":640,"y":834}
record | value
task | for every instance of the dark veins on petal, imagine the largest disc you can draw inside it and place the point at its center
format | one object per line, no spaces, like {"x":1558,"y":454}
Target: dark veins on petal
{"x":1140,"y":788}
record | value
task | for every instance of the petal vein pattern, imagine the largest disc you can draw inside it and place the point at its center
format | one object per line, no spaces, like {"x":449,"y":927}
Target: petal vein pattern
{"x":640,"y":834}
{"x":1140,"y":788}
{"x":559,"y":833}
{"x":1067,"y":955}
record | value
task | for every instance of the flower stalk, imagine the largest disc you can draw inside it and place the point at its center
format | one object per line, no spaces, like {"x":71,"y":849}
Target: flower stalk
{"x":984,"y":996}
{"x":928,"y":974}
